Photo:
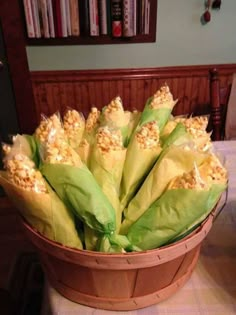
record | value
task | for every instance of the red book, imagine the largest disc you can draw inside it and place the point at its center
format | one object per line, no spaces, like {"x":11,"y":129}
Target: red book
{"x":57,"y":10}
{"x":116,"y":15}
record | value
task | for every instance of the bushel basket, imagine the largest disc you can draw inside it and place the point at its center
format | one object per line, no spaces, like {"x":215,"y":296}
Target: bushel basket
{"x":119,"y":281}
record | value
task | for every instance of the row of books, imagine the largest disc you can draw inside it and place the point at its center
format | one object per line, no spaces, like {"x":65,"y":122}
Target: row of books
{"x":65,"y":18}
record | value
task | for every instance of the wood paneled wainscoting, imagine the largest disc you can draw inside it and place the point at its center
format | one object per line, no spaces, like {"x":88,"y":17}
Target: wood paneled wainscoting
{"x":57,"y":90}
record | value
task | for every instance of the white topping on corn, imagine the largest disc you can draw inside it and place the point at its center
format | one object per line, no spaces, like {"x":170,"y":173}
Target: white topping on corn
{"x":60,"y":152}
{"x":148,"y":135}
{"x":92,"y":120}
{"x":163,"y":98}
{"x":21,"y":172}
{"x":109,"y":139}
{"x":49,"y":127}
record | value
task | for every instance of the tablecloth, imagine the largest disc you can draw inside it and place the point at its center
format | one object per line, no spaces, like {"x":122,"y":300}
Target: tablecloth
{"x":211,"y":290}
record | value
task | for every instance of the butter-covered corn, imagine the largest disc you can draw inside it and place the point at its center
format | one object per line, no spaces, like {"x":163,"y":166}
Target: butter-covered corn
{"x":93,"y":120}
{"x":163,"y":99}
{"x":74,"y":124}
{"x":148,"y":135}
{"x":22,"y":172}
{"x":49,"y":127}
{"x":109,"y":139}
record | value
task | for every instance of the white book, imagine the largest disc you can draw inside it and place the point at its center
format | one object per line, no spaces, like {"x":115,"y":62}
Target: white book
{"x":63,"y":18}
{"x":29,"y":18}
{"x":35,"y":13}
{"x":51,"y":19}
{"x":68,"y":18}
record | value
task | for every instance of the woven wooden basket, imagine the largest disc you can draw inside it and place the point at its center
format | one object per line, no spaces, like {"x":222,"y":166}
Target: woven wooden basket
{"x":119,"y":281}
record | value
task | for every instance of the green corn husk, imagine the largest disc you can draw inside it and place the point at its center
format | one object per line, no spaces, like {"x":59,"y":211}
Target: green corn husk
{"x":80,"y":192}
{"x":173,"y":161}
{"x":173,"y":213}
{"x":45,"y":212}
{"x":161,"y":112}
{"x":137,"y":165}
{"x":133,"y":122}
{"x":107,"y":166}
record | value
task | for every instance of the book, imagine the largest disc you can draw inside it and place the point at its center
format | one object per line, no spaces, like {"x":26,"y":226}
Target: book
{"x":129,"y":18}
{"x":116,"y":17}
{"x":68,"y":18}
{"x":29,"y":18}
{"x":57,"y":17}
{"x":109,"y":20}
{"x":102,"y":8}
{"x":63,"y":18}
{"x":84,"y":17}
{"x":147,"y":17}
{"x":93,"y":18}
{"x":44,"y":14}
{"x":51,"y":19}
{"x":35,"y":14}
{"x":74,"y":15}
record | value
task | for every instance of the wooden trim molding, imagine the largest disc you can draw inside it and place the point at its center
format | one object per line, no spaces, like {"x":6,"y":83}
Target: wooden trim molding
{"x":82,"y":89}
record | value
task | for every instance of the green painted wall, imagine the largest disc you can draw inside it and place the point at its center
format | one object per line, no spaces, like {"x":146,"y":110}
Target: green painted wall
{"x":181,"y":40}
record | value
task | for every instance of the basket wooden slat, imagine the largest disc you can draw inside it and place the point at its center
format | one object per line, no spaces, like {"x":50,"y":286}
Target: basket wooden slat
{"x":119,"y":281}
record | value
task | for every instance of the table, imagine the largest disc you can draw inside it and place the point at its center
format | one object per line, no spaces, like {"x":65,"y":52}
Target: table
{"x":211,"y":290}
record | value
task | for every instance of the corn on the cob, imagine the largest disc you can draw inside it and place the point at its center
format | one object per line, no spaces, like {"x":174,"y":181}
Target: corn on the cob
{"x":93,"y":120}
{"x":74,"y":124}
{"x":195,"y":123}
{"x":114,"y":106}
{"x":109,"y":139}
{"x":22,"y":172}
{"x":210,"y":172}
{"x":148,"y":135}
{"x":60,"y":152}
{"x":163,"y":99}
{"x":49,"y":127}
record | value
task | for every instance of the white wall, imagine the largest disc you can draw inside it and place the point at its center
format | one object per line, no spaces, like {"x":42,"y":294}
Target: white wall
{"x":181,"y":40}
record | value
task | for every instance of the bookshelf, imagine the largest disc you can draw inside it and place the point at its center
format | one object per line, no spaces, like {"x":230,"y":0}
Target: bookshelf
{"x":140,"y":35}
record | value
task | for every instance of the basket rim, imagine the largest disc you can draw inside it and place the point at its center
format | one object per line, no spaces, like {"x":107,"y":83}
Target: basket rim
{"x":130,"y":260}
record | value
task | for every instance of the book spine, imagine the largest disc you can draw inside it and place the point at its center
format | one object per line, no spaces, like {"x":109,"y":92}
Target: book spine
{"x":29,"y":19}
{"x":128,"y":18}
{"x":44,"y":10}
{"x":68,"y":18}
{"x":116,"y":14}
{"x":109,"y":19}
{"x":93,"y":18}
{"x":63,"y":18}
{"x":102,"y":6}
{"x":135,"y":17}
{"x":35,"y":13}
{"x":57,"y":17}
{"x":84,"y":17}
{"x":51,"y":18}
{"x":147,"y":17}
{"x":74,"y":14}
